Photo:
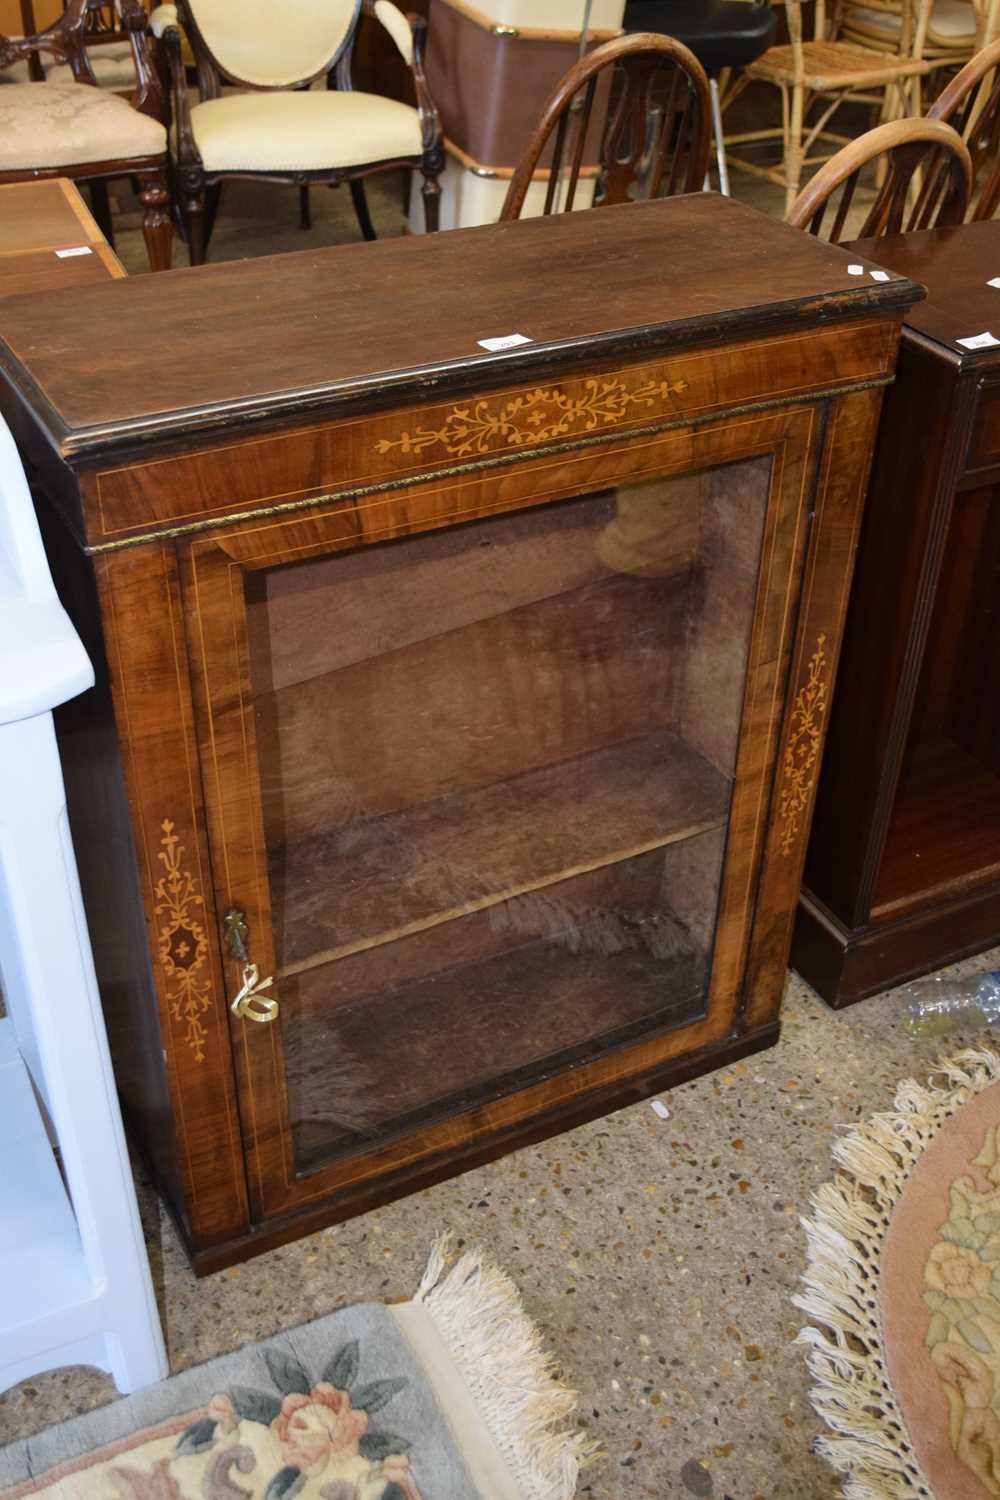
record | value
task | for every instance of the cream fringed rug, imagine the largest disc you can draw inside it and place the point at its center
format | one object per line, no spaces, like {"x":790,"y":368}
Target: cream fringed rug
{"x":447,"y":1397}
{"x":902,"y":1290}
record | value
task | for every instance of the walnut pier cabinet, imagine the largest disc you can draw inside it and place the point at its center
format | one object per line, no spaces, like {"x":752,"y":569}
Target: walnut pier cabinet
{"x":451,"y":774}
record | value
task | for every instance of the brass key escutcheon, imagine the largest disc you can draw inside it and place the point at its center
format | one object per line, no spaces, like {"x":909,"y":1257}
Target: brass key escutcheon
{"x":248,"y":1003}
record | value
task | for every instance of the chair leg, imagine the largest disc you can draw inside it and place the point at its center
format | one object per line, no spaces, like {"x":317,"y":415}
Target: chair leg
{"x":793,"y":147}
{"x":305,"y":215}
{"x":361,"y":208}
{"x":157,"y":219}
{"x":213,"y":195}
{"x":192,"y":181}
{"x":431,"y":194}
{"x":100,"y":207}
{"x":720,"y":140}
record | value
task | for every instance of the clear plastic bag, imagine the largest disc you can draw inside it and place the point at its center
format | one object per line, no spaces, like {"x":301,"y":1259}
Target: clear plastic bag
{"x":939,"y":1004}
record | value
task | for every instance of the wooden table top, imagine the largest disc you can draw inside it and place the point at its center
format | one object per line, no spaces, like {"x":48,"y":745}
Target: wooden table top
{"x":956,"y":266}
{"x":271,"y":341}
{"x":48,"y":240}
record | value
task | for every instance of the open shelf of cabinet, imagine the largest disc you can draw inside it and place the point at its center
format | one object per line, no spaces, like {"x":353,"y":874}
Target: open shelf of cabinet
{"x":476,"y":848}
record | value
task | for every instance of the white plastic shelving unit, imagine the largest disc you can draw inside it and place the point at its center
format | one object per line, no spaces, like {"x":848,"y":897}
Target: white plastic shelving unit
{"x":74,"y":1279}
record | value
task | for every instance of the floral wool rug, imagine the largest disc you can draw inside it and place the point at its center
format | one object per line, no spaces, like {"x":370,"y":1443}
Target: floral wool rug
{"x":446,"y":1397}
{"x":902,"y":1290}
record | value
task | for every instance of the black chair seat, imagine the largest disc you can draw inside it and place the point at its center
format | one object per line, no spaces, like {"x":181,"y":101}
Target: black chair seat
{"x":720,"y":33}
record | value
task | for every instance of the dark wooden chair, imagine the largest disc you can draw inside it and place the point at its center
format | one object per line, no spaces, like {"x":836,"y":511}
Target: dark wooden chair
{"x":108,"y":53}
{"x":927,"y":182}
{"x":78,"y":130}
{"x":971,"y":103}
{"x":657,"y":128}
{"x":279,"y":128}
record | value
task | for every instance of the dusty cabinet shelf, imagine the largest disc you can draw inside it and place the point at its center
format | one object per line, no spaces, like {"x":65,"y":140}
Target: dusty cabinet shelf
{"x":468,"y":706}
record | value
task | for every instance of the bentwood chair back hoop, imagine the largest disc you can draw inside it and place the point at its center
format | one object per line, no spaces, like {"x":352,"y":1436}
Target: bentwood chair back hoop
{"x":819,"y":76}
{"x":724,"y":35}
{"x":656,"y":81}
{"x":971,"y":103}
{"x":927,"y":182}
{"x":75,"y":129}
{"x":278,"y":128}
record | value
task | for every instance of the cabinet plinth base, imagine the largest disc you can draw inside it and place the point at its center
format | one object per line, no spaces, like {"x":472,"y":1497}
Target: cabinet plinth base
{"x":845,"y":965}
{"x":275,"y":1232}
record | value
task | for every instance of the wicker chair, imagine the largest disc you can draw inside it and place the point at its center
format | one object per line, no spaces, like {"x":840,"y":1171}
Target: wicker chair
{"x":927,"y":181}
{"x":830,"y":71}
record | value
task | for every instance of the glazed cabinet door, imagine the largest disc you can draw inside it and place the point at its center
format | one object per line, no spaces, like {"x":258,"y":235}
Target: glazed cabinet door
{"x":489,"y":767}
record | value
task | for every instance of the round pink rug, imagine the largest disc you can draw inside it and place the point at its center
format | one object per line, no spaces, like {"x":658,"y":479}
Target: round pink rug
{"x":903,"y":1293}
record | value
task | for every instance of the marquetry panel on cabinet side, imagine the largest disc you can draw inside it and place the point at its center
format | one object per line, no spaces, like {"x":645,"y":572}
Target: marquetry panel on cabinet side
{"x":147,"y":657}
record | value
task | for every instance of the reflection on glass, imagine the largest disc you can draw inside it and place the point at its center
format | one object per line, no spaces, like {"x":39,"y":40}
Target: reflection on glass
{"x":496,"y":765}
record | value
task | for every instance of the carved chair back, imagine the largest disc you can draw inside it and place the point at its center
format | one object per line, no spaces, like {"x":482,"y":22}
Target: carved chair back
{"x":971,"y":104}
{"x":67,"y":38}
{"x":267,"y":46}
{"x":657,"y":127}
{"x":927,"y":182}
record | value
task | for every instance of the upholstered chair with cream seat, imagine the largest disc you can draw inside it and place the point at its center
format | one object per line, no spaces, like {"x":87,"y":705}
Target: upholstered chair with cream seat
{"x":278,"y":126}
{"x":74,"y":129}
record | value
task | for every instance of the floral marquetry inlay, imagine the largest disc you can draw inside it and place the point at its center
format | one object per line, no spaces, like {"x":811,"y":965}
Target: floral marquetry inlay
{"x":798,"y":772}
{"x":536,"y":416}
{"x":183,"y":944}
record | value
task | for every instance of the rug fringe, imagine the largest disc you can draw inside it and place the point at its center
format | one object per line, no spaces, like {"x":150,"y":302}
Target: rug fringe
{"x":498,"y":1351}
{"x":868,"y":1441}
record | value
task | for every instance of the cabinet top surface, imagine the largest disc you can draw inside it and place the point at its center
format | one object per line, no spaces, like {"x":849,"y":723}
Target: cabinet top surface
{"x":956,"y":266}
{"x":165,"y":357}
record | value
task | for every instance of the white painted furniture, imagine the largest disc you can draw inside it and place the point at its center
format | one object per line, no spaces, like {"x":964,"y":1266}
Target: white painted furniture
{"x":74,"y":1279}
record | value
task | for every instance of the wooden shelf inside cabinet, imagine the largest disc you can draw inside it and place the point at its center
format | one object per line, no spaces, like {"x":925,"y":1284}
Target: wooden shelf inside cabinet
{"x":903,"y":871}
{"x":464,"y":853}
{"x":944,"y":834}
{"x":617,"y":997}
{"x":471,"y":699}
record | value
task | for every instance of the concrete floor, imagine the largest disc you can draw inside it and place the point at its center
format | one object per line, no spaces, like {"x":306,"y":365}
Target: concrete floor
{"x":657,"y":1256}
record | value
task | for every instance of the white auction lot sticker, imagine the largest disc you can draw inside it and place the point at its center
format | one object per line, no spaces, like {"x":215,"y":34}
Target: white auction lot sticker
{"x":509,"y":341}
{"x":979,"y":341}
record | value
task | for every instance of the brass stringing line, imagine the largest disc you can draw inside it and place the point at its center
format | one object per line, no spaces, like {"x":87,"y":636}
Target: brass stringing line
{"x":478,"y":466}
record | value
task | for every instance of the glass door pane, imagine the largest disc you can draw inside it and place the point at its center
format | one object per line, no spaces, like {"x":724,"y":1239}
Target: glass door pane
{"x":496,"y":765}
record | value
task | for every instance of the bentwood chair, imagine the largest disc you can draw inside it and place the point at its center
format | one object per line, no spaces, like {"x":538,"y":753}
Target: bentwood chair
{"x":971,"y":103}
{"x":926,"y":183}
{"x":278,"y":128}
{"x":829,"y":72}
{"x":74,"y":129}
{"x":723,"y":35}
{"x":654,"y":78}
